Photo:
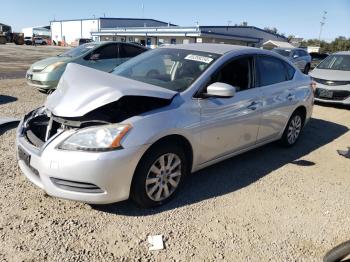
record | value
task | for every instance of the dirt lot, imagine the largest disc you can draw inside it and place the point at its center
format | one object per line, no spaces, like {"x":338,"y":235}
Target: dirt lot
{"x":15,"y":60}
{"x":271,"y":204}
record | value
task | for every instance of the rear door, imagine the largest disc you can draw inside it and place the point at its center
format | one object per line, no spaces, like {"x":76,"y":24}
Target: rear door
{"x":231,"y":124}
{"x":278,"y":95}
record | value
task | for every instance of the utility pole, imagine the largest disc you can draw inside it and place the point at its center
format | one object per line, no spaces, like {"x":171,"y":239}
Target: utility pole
{"x":323,"y":21}
{"x":143,"y":10}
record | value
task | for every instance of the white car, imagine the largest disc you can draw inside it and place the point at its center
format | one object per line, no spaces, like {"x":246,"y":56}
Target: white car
{"x":332,"y":77}
{"x":40,"y":41}
{"x":141,"y":129}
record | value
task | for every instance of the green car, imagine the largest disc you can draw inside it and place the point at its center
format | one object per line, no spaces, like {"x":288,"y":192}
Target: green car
{"x":105,"y":56}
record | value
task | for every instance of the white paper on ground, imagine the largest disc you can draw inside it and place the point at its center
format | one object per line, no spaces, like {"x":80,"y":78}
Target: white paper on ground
{"x":156,"y":242}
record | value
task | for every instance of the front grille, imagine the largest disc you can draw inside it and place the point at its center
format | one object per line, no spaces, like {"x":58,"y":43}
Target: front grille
{"x":76,"y":186}
{"x":337,"y":95}
{"x":331,"y":83}
{"x":37,"y":70}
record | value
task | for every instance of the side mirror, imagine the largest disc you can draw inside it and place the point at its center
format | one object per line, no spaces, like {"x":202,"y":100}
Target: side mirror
{"x":94,"y":57}
{"x":219,"y":89}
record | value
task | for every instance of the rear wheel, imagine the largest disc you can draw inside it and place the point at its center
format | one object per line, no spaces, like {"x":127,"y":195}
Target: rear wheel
{"x":159,"y":175}
{"x":293,"y":129}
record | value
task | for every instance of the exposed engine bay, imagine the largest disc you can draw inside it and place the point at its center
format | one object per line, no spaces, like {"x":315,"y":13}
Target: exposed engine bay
{"x":40,"y":125}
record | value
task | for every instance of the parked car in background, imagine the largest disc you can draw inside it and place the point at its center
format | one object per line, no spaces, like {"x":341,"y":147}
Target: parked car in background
{"x":40,"y":41}
{"x":104,"y":56}
{"x":316,"y":58}
{"x":82,"y":41}
{"x":140,"y":130}
{"x":297,"y":56}
{"x":28,"y":40}
{"x":332,"y":77}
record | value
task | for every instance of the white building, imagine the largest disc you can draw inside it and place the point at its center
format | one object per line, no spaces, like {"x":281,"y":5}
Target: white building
{"x":68,"y":31}
{"x":152,"y":33}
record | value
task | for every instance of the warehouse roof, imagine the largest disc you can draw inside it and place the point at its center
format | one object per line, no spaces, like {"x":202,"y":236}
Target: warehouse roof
{"x":112,"y":22}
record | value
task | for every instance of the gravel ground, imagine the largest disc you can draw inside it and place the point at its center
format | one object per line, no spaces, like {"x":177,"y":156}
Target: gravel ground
{"x":15,"y":60}
{"x":270,"y":204}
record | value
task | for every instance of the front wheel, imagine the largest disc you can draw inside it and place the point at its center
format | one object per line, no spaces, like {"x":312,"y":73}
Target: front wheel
{"x":293,"y":129}
{"x":159,"y":175}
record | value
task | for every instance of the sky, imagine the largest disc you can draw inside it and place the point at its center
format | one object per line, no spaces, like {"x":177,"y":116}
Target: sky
{"x":299,"y":18}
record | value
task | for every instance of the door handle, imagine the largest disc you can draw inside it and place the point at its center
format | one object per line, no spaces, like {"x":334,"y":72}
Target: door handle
{"x":253,"y":105}
{"x":290,"y":96}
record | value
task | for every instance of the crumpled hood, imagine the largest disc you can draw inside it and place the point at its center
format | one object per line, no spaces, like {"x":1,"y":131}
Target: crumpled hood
{"x":83,"y":89}
{"x":40,"y":65}
{"x":332,"y":75}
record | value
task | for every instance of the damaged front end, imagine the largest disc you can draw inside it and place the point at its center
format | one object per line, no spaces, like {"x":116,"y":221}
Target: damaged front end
{"x":41,"y":125}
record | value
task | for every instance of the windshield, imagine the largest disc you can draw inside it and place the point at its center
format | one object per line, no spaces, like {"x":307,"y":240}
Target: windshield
{"x":282,"y":52}
{"x":173,"y":69}
{"x":336,"y":62}
{"x":80,"y":50}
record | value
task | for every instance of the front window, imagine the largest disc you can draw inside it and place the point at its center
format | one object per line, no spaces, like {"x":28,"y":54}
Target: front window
{"x":282,"y":52}
{"x":80,"y":50}
{"x":173,"y":69}
{"x":336,"y":62}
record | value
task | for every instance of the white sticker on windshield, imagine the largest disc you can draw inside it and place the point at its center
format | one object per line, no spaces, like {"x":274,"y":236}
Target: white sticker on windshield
{"x":199,"y":58}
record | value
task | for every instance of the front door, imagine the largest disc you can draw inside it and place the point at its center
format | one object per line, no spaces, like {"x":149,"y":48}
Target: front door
{"x":231,"y":124}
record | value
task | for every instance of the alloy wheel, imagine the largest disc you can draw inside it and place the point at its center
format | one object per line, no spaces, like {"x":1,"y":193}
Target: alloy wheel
{"x":163,"y":177}
{"x":294,"y":129}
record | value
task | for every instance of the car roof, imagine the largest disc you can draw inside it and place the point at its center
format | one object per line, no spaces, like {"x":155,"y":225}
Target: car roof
{"x":342,"y":53}
{"x":210,"y":48}
{"x":293,"y":48}
{"x":99,"y":43}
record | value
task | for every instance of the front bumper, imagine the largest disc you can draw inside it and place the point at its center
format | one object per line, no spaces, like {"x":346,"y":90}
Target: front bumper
{"x":42,"y":80}
{"x":337,"y":95}
{"x":110,"y":172}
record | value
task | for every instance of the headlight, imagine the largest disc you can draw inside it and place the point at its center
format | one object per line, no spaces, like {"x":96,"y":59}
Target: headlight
{"x":100,"y":138}
{"x":53,"y":66}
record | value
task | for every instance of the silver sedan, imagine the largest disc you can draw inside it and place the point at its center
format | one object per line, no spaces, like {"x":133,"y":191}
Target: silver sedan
{"x":102,"y":138}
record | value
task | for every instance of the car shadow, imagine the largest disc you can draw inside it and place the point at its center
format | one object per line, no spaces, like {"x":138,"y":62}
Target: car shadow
{"x":338,"y":106}
{"x":240,"y":171}
{"x":7,"y":99}
{"x":8,"y":126}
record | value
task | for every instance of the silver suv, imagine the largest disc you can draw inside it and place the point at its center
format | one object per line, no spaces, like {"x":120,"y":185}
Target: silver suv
{"x":297,"y":56}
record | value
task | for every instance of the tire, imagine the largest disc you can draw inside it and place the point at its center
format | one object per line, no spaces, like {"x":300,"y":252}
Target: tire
{"x":293,"y":129}
{"x":153,"y":184}
{"x":306,"y":69}
{"x":338,"y":253}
